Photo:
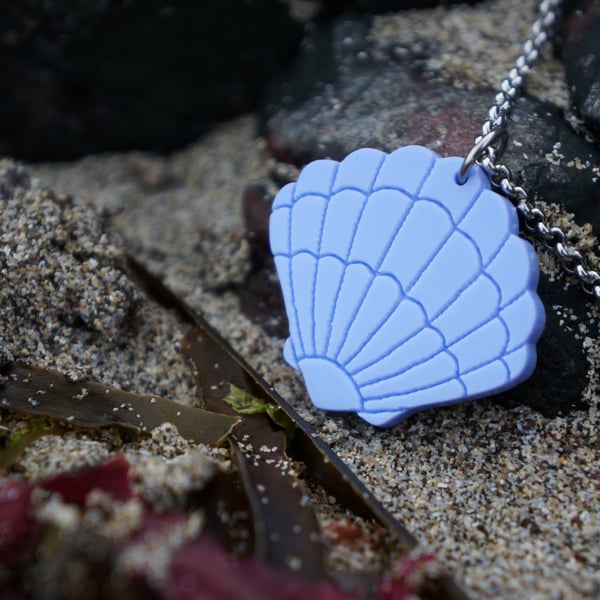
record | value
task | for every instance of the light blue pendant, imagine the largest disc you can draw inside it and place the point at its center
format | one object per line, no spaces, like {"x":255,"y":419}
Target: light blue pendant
{"x":403,"y":289}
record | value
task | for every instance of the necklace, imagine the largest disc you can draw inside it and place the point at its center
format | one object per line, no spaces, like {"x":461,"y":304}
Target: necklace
{"x":405,"y":283}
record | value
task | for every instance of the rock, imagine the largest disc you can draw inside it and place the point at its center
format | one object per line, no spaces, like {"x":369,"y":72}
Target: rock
{"x":553,"y":162}
{"x":561,"y":373}
{"x":580,"y":50}
{"x":95,"y":76}
{"x":550,"y":160}
{"x":389,"y":101}
{"x":388,"y":5}
{"x":380,"y":108}
{"x":256,"y":206}
{"x":260,"y":296}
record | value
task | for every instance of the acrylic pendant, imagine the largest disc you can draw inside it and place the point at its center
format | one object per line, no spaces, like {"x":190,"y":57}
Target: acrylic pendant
{"x":403,"y":289}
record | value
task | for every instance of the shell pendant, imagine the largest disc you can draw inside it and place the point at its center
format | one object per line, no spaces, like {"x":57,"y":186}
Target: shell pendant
{"x":403,"y":288}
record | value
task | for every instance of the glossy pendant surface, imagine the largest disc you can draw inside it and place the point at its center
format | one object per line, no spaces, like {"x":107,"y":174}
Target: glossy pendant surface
{"x":403,"y":289}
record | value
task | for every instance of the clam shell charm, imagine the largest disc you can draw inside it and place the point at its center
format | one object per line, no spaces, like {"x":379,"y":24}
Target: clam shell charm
{"x":403,"y":289}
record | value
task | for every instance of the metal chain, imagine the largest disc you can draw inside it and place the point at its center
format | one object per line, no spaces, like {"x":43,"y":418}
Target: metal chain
{"x":490,"y":144}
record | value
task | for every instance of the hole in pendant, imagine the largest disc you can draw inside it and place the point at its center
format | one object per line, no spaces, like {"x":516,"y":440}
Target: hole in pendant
{"x":460,"y":178}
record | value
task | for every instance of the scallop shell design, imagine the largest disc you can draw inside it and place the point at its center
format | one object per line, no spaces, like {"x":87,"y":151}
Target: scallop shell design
{"x":403,"y":289}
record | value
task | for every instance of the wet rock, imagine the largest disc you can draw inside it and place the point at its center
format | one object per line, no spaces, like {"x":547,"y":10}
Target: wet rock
{"x":381,"y":109}
{"x":554,"y":163}
{"x":260,"y":294}
{"x":386,"y":5}
{"x":388,"y":102}
{"x":257,"y":206}
{"x":580,"y":50}
{"x":544,"y":153}
{"x":561,"y":373}
{"x":261,"y":301}
{"x":92,"y":76}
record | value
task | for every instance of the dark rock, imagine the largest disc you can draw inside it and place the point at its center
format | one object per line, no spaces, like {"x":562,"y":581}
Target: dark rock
{"x":553,"y":162}
{"x":261,"y":301}
{"x":260,"y":295}
{"x":389,"y":103}
{"x":382,"y":110}
{"x":545,"y":155}
{"x":256,"y":207}
{"x":92,"y":76}
{"x":561,"y":372}
{"x":580,"y":49}
{"x":387,"y":5}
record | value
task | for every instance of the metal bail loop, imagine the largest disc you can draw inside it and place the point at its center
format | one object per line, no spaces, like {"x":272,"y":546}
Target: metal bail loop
{"x":498,"y":135}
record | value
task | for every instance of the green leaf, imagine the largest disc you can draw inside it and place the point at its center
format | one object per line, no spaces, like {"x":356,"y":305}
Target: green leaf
{"x":244,"y":403}
{"x":14,"y":443}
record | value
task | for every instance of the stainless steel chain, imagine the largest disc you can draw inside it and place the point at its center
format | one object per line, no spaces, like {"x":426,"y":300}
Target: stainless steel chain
{"x":490,"y":145}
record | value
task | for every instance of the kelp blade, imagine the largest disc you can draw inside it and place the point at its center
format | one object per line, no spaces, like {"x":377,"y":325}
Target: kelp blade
{"x":36,"y":391}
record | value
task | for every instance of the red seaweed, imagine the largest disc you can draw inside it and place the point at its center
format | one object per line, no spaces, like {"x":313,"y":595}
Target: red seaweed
{"x":111,"y":477}
{"x":202,"y":571}
{"x":18,"y":529}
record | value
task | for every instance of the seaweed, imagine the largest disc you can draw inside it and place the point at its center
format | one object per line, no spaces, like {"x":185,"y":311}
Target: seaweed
{"x":244,"y":403}
{"x":285,"y":526}
{"x":111,"y":476}
{"x":14,"y":443}
{"x":40,"y":392}
{"x":229,"y":519}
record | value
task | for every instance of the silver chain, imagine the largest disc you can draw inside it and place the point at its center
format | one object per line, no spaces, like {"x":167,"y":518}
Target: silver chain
{"x":490,"y":144}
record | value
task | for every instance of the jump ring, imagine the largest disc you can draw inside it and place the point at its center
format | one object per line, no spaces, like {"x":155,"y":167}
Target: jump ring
{"x":479,"y":148}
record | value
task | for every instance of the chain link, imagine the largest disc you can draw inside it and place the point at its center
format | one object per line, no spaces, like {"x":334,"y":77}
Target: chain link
{"x":487,"y":152}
